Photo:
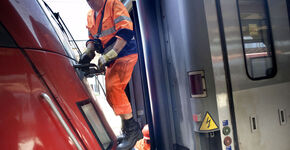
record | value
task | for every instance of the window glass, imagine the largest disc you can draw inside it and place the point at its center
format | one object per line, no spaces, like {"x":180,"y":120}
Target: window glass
{"x":257,"y":38}
{"x":5,"y":39}
{"x":61,"y":30}
{"x":95,"y":123}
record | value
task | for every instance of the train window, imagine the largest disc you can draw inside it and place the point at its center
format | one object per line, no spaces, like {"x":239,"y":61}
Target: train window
{"x":257,"y":38}
{"x":95,"y":124}
{"x":61,"y":30}
{"x":5,"y":39}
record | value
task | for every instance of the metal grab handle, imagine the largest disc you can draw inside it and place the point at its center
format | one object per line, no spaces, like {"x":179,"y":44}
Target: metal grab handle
{"x":56,"y":112}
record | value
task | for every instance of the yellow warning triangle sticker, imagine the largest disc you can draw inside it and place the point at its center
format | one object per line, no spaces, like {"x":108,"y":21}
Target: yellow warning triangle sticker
{"x":208,"y":123}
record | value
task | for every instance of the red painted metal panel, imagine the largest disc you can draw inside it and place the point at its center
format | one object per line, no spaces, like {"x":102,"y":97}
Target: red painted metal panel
{"x":68,"y":88}
{"x":26,"y":121}
{"x":28,"y":25}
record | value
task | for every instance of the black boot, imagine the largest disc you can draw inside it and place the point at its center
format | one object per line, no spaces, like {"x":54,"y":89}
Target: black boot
{"x":121,"y":137}
{"x":132,"y":133}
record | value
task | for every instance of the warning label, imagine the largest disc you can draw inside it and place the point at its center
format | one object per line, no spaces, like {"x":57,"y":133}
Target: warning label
{"x":208,"y":123}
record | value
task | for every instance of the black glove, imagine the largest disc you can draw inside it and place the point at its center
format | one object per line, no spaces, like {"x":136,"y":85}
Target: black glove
{"x":90,"y":69}
{"x":87,"y":57}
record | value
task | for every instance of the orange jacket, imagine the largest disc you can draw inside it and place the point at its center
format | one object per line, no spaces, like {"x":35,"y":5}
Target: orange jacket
{"x":116,"y":23}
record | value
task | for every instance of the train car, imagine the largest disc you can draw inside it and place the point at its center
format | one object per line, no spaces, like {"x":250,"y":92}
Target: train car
{"x":214,"y":74}
{"x":46,"y":103}
{"x":211,"y":75}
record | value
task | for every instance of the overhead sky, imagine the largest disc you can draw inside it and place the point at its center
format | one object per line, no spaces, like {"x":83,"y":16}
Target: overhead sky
{"x":74,"y":14}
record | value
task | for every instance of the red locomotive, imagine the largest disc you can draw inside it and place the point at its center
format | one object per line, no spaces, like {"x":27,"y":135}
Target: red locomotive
{"x":45,"y":101}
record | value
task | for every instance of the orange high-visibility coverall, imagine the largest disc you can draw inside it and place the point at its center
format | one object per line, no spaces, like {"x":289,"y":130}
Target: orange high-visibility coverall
{"x":116,"y":24}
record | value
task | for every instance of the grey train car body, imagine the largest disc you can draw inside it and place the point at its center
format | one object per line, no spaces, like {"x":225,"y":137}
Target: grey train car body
{"x":246,"y":92}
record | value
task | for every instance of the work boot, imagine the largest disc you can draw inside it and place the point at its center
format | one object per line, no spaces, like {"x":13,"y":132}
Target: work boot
{"x":132,"y":133}
{"x":121,"y":137}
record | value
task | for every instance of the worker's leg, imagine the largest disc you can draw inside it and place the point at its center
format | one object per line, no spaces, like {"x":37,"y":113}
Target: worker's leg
{"x":117,"y":78}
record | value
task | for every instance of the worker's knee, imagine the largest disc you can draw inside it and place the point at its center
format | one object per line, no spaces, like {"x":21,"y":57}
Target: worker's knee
{"x":111,"y":89}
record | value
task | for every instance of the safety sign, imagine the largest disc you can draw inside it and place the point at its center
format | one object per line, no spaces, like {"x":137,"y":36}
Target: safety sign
{"x":208,"y":123}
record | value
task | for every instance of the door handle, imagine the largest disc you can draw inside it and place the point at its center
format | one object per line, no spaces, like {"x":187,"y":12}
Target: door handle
{"x":60,"y":118}
{"x":282,"y":117}
{"x":253,"y":121}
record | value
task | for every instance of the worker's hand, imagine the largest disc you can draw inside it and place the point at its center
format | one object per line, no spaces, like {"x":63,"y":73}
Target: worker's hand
{"x":104,"y":59}
{"x":87,"y":56}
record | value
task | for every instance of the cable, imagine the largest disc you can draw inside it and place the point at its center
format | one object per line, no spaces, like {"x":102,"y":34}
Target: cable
{"x":29,"y":48}
{"x":101,"y":85}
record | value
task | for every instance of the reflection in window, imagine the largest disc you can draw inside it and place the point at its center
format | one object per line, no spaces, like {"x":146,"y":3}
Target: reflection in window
{"x":257,"y":38}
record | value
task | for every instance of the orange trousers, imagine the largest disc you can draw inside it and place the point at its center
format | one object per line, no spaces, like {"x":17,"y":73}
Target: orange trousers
{"x":118,"y":75}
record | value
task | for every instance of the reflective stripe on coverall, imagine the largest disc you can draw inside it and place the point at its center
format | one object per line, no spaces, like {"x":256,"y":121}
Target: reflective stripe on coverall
{"x":116,"y":23}
{"x":116,"y":17}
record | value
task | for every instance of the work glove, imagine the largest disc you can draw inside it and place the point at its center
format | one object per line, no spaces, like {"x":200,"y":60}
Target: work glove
{"x":104,"y":59}
{"x":87,"y":56}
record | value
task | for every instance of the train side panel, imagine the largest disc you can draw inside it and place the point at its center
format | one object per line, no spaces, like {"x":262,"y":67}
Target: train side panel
{"x":27,"y":121}
{"x":36,"y":59}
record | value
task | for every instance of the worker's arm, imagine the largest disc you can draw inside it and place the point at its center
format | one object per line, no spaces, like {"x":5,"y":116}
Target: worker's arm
{"x":89,"y":54}
{"x":119,"y":45}
{"x":113,"y":53}
{"x":124,"y":27}
{"x":90,"y":47}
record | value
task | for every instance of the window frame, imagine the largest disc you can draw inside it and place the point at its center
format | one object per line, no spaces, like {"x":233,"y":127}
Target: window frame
{"x":271,"y":41}
{"x":88,"y":101}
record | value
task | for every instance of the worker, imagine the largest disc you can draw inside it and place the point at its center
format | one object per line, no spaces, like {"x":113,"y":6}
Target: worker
{"x":111,"y":34}
{"x":144,"y":144}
